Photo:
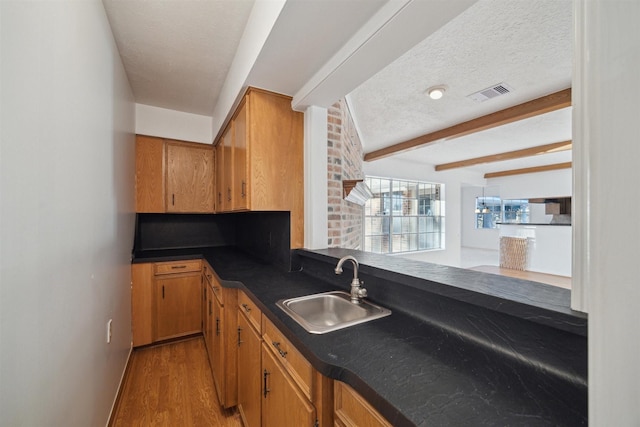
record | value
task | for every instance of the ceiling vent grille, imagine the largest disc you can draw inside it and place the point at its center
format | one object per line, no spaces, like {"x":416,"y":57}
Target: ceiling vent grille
{"x":491,"y":92}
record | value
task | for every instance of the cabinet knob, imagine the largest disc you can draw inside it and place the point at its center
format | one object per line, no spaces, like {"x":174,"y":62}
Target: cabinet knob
{"x":281,"y":351}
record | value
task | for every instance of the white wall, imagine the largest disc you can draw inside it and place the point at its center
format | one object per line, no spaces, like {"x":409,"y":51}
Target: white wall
{"x":556,"y":183}
{"x":66,"y":214}
{"x":543,"y":184}
{"x":606,"y":125}
{"x":453,"y":181}
{"x":472,"y":237}
{"x":155,"y":121}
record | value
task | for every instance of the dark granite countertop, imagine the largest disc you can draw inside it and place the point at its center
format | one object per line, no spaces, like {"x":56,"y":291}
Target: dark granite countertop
{"x":414,"y":369}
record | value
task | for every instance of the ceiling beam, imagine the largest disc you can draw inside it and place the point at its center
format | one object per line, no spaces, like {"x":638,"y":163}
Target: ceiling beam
{"x":556,"y":147}
{"x":535,"y":169}
{"x":545,"y":104}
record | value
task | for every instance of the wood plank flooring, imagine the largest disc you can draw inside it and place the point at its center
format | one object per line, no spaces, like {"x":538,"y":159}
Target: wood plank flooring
{"x":171,"y":385}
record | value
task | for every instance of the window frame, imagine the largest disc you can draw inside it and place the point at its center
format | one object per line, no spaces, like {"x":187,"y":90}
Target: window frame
{"x":404,"y":216}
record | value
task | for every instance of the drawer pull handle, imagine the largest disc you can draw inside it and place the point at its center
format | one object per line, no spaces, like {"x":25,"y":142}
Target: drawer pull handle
{"x":177,"y":267}
{"x":229,"y":194}
{"x":217,"y":326}
{"x":264,"y":377}
{"x":246,"y":308}
{"x":239,"y":339}
{"x":244,"y":189}
{"x":210,"y":310}
{"x":162,"y":291}
{"x":281,"y":351}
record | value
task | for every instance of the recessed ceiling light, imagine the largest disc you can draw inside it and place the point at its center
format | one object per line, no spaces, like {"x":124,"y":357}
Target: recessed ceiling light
{"x":436,"y":92}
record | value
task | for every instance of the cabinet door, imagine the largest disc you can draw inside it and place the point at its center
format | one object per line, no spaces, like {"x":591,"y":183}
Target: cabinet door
{"x":283,"y":403}
{"x":227,"y":148}
{"x":206,"y":319}
{"x":249,"y":373}
{"x":149,"y":174}
{"x":217,"y":331}
{"x":351,"y":410}
{"x":221,"y":175}
{"x":142,"y":303}
{"x":178,"y":307}
{"x":189,"y":178}
{"x":240,"y":183}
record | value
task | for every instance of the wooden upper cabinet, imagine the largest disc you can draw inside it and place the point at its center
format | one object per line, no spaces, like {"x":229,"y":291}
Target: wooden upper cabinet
{"x":239,"y":195}
{"x":220,"y":181}
{"x":227,"y":171}
{"x":173,"y":176}
{"x":263,"y":158}
{"x":149,"y":174}
{"x":189,"y":178}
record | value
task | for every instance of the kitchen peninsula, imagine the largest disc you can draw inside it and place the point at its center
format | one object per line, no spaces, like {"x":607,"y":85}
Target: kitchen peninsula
{"x":460,"y":348}
{"x":548,"y":246}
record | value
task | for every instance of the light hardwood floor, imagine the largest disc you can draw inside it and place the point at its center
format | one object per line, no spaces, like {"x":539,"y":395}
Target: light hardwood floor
{"x":171,"y":385}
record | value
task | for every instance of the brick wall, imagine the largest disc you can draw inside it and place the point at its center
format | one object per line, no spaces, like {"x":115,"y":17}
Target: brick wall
{"x":345,"y":158}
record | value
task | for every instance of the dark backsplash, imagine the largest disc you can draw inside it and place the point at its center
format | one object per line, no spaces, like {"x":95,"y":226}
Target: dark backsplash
{"x":182,"y":231}
{"x":265,"y":235}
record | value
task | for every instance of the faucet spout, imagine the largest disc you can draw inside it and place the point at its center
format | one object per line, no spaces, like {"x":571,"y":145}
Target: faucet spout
{"x":353,"y":260}
{"x":357,"y":291}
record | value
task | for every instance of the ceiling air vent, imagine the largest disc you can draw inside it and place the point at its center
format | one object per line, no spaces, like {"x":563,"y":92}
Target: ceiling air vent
{"x":491,"y":92}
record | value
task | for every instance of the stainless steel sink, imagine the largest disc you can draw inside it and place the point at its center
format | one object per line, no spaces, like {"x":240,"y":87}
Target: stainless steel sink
{"x":330,"y":311}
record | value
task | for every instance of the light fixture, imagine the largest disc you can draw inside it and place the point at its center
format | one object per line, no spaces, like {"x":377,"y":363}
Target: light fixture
{"x":436,"y":92}
{"x":484,"y":209}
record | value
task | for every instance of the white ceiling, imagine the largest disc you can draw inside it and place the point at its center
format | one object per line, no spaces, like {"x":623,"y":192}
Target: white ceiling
{"x":526,"y":44}
{"x":177,"y":55}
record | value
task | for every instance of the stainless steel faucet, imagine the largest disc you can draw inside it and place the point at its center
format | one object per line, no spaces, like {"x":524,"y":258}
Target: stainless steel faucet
{"x":357,"y":291}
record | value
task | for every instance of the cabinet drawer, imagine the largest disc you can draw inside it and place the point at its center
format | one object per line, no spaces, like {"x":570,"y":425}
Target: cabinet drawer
{"x":292,"y":360}
{"x":253,"y":313}
{"x":351,"y":410}
{"x":175,"y":267}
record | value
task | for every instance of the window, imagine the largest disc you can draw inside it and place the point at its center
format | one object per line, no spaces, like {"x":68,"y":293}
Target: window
{"x":516,"y":211}
{"x":488,"y":212}
{"x":403,"y":216}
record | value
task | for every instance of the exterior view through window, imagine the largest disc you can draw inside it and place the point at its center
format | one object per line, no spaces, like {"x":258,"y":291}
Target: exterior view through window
{"x":403,"y":216}
{"x":490,"y":211}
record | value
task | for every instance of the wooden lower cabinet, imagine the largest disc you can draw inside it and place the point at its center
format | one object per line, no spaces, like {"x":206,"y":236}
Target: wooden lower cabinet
{"x":142,"y":297}
{"x":249,"y":371}
{"x":178,"y":306}
{"x":222,"y":345}
{"x":352,"y":410}
{"x":284,"y":404}
{"x":166,"y":300}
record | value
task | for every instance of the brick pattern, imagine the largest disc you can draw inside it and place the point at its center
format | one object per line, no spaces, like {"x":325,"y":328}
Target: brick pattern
{"x":345,"y":159}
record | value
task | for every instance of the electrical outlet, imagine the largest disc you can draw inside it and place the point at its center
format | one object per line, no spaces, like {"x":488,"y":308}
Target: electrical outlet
{"x":109,"y":330}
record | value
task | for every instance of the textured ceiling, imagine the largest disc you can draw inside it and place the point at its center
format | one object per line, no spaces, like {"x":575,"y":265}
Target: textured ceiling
{"x":525,"y":44}
{"x":177,"y":53}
